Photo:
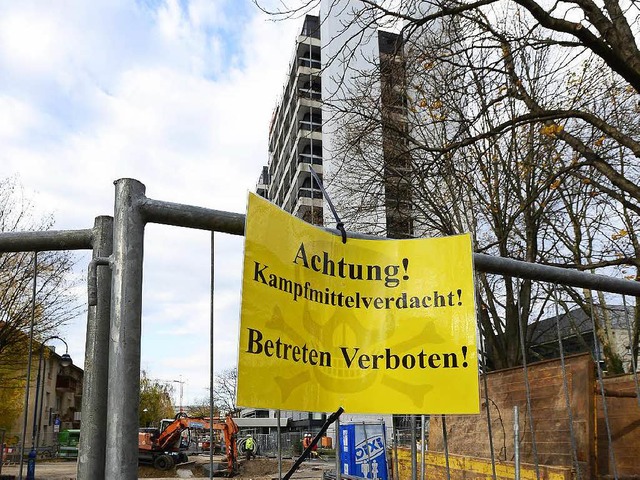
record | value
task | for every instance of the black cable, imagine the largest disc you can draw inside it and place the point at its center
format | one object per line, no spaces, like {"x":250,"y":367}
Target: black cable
{"x":339,"y":223}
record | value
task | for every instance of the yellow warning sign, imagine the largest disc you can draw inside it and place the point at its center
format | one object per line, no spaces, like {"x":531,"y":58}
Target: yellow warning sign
{"x":374,"y":326}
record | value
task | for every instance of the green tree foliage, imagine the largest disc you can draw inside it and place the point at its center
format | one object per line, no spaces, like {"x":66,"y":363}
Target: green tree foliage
{"x":155,"y":401}
{"x":12,"y":384}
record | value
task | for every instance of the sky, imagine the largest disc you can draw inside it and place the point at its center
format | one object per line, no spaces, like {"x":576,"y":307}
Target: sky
{"x":176,"y":94}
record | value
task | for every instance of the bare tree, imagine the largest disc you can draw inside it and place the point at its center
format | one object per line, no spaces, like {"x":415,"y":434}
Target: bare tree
{"x":603,"y":36}
{"x":54,"y":304}
{"x":498,"y":121}
{"x":224,"y":392}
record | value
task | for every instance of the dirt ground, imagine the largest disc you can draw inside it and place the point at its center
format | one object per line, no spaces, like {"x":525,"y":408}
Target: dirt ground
{"x":253,"y":469}
{"x":256,"y":469}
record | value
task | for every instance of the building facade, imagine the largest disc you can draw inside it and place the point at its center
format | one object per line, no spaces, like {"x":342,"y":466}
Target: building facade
{"x":575,"y":329}
{"x":306,"y":124}
{"x":295,"y":133}
{"x":55,"y":400}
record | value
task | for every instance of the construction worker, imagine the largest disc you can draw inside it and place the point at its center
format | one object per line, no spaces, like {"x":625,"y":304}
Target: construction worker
{"x":249,"y":447}
{"x":306,"y":441}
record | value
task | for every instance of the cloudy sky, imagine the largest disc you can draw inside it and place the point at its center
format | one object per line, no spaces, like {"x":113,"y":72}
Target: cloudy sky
{"x":176,"y":94}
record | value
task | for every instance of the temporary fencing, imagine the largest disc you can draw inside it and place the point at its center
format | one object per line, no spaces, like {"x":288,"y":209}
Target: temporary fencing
{"x":563,"y":425}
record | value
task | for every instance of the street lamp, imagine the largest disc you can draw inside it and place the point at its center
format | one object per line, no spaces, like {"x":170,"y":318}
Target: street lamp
{"x":65,"y":361}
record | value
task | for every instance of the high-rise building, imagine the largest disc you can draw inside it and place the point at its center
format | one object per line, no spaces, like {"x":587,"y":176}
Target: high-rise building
{"x":303,"y":129}
{"x":295,"y":133}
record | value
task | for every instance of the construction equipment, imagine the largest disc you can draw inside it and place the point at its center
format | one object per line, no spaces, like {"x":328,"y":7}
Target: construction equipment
{"x":162,"y":449}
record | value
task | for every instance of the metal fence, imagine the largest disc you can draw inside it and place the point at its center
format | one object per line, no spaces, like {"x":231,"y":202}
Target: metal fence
{"x":110,"y":449}
{"x":290,"y":444}
{"x":47,"y":447}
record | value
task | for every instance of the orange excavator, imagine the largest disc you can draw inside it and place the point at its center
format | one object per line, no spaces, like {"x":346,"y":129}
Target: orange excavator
{"x":162,"y":448}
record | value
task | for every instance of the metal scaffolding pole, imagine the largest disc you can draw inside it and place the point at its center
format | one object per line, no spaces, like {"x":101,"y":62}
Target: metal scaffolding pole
{"x":124,"y":348}
{"x":93,"y":435}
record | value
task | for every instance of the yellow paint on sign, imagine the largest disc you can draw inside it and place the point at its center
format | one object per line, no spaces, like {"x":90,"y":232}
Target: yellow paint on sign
{"x":374,"y":326}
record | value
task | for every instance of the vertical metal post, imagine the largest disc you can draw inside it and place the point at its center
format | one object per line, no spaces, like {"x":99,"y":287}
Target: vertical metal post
{"x":211,"y":353}
{"x":28,"y":384}
{"x":565,"y":388}
{"x":445,"y":440}
{"x":279,"y":445}
{"x":596,"y":343}
{"x":93,"y":435}
{"x":124,"y":348}
{"x":414,"y":450}
{"x":422,"y":446}
{"x":527,"y":387}
{"x":485,"y":382}
{"x":634,"y":366}
{"x":396,"y":466}
{"x":338,"y":449}
{"x":516,"y":442}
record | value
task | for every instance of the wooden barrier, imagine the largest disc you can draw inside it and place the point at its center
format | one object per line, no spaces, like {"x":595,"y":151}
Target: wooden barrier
{"x":474,"y":468}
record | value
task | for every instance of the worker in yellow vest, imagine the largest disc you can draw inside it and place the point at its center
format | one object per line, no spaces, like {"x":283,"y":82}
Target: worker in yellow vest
{"x":249,"y":447}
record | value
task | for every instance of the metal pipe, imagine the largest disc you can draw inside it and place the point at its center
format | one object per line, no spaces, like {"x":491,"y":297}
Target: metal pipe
{"x":92,"y":281}
{"x":181,"y":215}
{"x":596,"y":343}
{"x":28,"y":386}
{"x":445,"y":440}
{"x":93,"y":434}
{"x":124,"y":347}
{"x":168,"y":213}
{"x":545,"y":273}
{"x":516,"y":442}
{"x":338,"y":448}
{"x":211,"y":352}
{"x":279,"y":446}
{"x":396,"y":467}
{"x":45,"y":240}
{"x":422,"y":446}
{"x":565,"y":388}
{"x":527,"y":387}
{"x":414,"y":452}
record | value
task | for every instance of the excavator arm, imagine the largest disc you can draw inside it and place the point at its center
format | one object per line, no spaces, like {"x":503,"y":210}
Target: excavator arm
{"x":170,"y":435}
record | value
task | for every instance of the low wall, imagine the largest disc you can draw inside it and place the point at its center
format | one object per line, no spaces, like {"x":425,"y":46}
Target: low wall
{"x":468,"y":435}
